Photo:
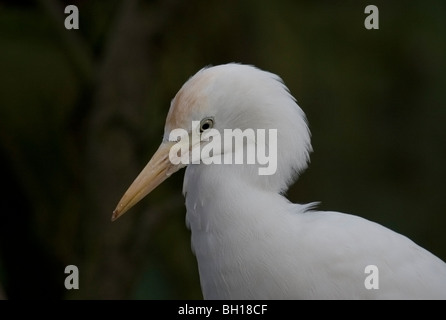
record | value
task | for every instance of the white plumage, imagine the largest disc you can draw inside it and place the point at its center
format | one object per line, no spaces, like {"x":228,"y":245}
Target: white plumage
{"x":249,"y":240}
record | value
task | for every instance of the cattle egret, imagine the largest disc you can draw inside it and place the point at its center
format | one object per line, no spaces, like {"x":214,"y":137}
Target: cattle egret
{"x":249,"y":240}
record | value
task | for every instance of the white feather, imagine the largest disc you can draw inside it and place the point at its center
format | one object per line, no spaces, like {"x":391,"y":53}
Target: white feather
{"x":251,"y":242}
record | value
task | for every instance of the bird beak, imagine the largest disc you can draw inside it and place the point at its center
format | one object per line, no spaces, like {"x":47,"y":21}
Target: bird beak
{"x":156,"y":171}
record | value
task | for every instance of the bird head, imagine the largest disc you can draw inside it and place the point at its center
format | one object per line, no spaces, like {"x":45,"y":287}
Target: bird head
{"x":226,"y":97}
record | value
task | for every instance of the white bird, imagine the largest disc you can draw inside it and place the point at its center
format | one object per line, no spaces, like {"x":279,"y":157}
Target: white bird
{"x":249,"y":240}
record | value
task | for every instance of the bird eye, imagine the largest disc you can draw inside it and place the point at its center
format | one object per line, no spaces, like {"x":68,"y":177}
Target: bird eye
{"x":206,"y":124}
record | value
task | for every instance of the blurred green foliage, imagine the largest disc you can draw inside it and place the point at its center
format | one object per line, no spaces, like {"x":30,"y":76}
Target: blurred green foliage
{"x":81,"y":111}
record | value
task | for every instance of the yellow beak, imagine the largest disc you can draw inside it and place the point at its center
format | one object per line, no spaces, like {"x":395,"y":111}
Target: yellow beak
{"x":156,"y":171}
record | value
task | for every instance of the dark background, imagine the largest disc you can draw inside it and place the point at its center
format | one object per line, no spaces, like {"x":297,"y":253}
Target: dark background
{"x":81,"y":112}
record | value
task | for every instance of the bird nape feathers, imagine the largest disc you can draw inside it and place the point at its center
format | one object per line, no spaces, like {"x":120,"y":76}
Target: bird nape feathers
{"x":249,"y":240}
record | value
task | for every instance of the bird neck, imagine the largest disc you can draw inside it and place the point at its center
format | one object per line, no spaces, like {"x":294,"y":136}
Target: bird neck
{"x":231,"y":221}
{"x":223,"y":197}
